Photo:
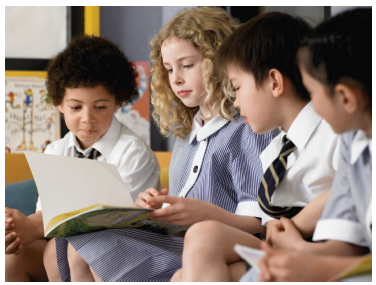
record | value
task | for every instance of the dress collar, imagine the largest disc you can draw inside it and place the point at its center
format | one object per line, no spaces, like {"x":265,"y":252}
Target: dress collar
{"x":303,"y":126}
{"x":203,"y":132}
{"x":359,"y":144}
{"x":104,"y":145}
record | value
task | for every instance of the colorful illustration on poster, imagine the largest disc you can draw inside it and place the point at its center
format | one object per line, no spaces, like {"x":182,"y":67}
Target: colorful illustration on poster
{"x":31,"y":121}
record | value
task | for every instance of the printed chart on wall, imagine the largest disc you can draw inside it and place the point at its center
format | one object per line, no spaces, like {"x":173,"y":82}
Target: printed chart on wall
{"x":31,"y":121}
{"x":136,"y":116}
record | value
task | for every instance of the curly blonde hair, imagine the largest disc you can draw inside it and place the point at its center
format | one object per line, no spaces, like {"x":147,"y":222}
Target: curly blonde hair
{"x":206,"y":28}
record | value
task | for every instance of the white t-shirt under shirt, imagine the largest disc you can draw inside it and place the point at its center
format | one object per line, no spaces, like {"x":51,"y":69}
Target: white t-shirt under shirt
{"x":310,"y":167}
{"x":135,"y":161}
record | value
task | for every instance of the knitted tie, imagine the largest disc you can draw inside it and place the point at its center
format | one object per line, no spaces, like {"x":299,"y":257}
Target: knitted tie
{"x":270,"y":181}
{"x":93,"y":154}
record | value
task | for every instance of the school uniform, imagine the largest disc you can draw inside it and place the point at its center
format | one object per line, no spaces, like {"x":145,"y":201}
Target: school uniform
{"x":136,"y":162}
{"x":347,"y":215}
{"x":310,"y":167}
{"x":218,"y":163}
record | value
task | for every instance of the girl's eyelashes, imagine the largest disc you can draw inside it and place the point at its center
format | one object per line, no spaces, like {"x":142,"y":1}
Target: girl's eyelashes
{"x":75,"y":107}
{"x":186,"y":66}
{"x":101,"y":107}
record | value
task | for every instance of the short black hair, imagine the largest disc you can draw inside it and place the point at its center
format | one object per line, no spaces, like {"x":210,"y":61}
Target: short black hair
{"x":340,"y":49}
{"x":90,"y":61}
{"x":267,"y":41}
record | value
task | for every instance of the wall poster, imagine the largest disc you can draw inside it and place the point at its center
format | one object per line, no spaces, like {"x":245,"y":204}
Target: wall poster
{"x":31,"y":121}
{"x":137,"y":115}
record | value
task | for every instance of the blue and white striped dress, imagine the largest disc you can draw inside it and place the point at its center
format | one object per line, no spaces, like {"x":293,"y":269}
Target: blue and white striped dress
{"x":218,"y":163}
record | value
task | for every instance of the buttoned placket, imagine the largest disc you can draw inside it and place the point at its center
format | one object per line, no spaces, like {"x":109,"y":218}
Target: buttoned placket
{"x":195,"y":168}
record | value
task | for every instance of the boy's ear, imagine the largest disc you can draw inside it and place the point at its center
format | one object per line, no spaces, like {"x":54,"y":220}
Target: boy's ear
{"x":276,"y":82}
{"x":347,"y":98}
{"x":117,"y":106}
{"x":60,"y":108}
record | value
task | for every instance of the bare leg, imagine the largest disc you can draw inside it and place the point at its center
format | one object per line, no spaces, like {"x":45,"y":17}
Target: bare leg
{"x":28,"y":266}
{"x":177,"y":276}
{"x":50,"y":262}
{"x":79,"y":269}
{"x":96,"y":278}
{"x":237,"y":270}
{"x":208,"y":251}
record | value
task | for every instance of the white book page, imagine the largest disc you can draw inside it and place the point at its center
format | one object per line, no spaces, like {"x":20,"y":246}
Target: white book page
{"x":251,"y":255}
{"x":67,"y":184}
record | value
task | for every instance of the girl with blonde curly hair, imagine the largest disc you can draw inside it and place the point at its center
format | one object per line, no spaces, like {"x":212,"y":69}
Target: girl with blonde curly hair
{"x":215,"y":162}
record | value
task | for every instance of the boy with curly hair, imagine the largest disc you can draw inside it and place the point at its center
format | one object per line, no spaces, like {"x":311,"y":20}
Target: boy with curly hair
{"x":88,"y":81}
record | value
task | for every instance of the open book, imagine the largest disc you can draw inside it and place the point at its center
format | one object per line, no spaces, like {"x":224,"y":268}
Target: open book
{"x":83,"y":195}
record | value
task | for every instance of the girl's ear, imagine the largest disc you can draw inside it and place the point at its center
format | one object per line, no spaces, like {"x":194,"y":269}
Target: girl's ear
{"x":348,"y":98}
{"x":277,"y":82}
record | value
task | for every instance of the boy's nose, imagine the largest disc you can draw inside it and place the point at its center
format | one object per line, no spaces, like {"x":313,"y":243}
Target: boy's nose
{"x":87,"y":118}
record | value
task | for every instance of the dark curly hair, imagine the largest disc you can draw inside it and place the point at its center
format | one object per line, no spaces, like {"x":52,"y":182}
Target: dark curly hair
{"x":90,"y":61}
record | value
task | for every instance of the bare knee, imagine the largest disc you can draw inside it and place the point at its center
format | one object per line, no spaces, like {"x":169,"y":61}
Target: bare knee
{"x":177,"y":277}
{"x":80,"y":270}
{"x":27,"y":266}
{"x":203,"y":237}
{"x":207,"y":231}
{"x":50,"y":262}
{"x":74,"y":259}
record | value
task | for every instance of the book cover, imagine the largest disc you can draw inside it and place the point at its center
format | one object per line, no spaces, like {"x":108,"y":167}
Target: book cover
{"x":82,"y":195}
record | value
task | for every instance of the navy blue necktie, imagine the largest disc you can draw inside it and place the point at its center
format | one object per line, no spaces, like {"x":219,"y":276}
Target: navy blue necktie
{"x":93,"y":154}
{"x":270,"y":181}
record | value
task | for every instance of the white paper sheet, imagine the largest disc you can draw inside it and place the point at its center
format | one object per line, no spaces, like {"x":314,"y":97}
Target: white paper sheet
{"x":66,"y":184}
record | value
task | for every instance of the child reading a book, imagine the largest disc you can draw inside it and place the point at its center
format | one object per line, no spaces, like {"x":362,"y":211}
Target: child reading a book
{"x":214,"y":170}
{"x":299,"y":164}
{"x":87,"y":81}
{"x":335,"y":62}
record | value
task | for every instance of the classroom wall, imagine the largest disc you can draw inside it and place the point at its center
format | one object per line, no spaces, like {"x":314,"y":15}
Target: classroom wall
{"x":132,"y":28}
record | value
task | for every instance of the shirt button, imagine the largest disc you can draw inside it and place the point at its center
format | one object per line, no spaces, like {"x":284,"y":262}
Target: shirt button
{"x":195,"y":169}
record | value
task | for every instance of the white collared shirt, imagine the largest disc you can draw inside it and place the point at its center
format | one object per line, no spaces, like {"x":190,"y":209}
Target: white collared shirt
{"x":347,"y":215}
{"x":310,"y":167}
{"x":136,"y":162}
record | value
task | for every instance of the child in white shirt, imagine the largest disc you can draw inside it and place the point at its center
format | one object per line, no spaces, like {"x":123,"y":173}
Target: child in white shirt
{"x":88,"y":81}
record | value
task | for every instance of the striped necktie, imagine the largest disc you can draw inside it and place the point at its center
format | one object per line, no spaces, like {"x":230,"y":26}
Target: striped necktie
{"x":270,"y":181}
{"x":93,"y":154}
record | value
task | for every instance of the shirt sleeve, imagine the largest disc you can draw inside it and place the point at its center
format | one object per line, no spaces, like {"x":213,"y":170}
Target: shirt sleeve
{"x":339,"y":220}
{"x":247,"y":171}
{"x":139,"y":168}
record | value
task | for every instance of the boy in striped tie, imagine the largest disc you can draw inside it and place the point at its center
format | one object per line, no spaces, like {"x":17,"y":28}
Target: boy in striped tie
{"x":299,"y":164}
{"x":87,"y":81}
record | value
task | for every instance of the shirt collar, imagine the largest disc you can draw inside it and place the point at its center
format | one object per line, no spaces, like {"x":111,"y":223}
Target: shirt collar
{"x":105,"y":144}
{"x":209,"y":128}
{"x":303,"y":126}
{"x":360,"y":143}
